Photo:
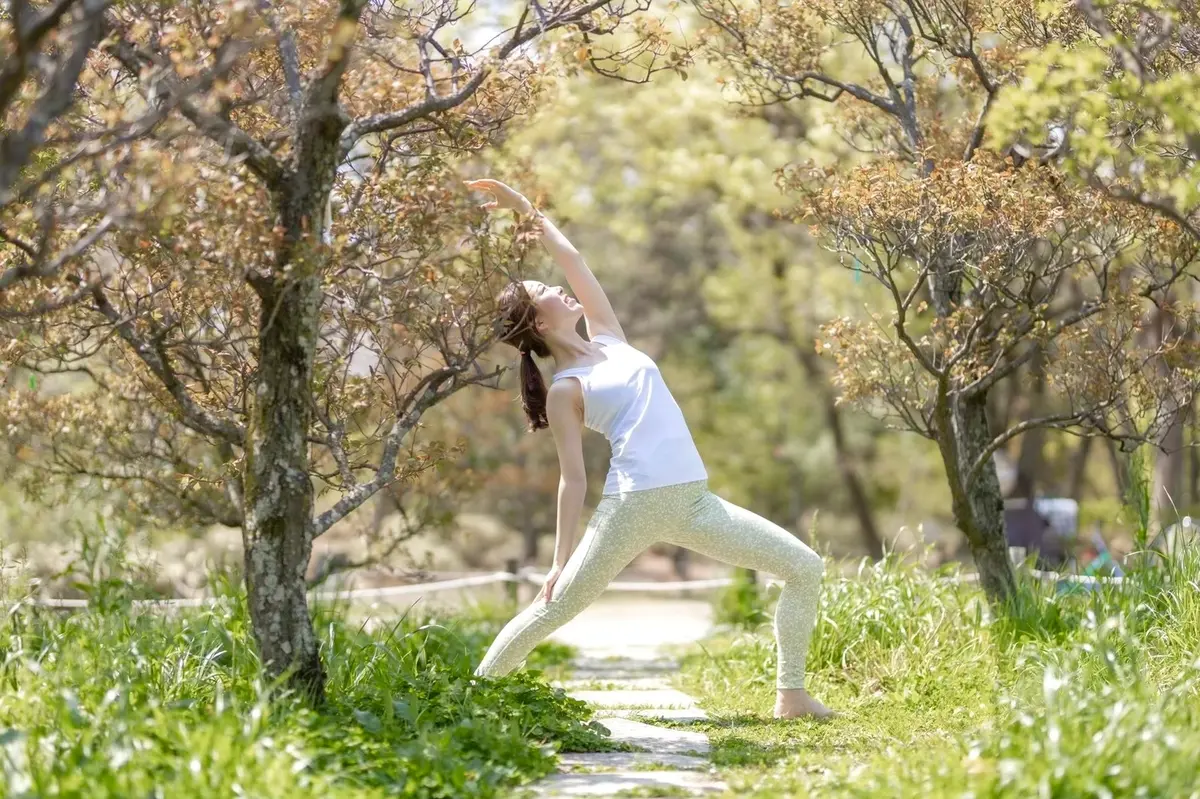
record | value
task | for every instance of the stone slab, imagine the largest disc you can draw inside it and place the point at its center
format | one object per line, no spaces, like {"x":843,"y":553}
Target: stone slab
{"x":661,"y":698}
{"x":625,"y":761}
{"x":609,"y":783}
{"x":659,"y":740}
{"x":586,"y":667}
{"x":679,"y":715}
{"x":584,"y":683}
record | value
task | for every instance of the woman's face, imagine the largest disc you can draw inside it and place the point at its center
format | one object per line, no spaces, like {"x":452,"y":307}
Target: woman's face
{"x":555,"y":307}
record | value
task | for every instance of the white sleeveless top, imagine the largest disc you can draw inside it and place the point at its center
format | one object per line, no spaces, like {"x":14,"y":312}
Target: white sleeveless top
{"x":625,"y":398}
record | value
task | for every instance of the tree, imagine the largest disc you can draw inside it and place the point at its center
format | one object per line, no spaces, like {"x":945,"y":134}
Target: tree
{"x":1114,"y":103}
{"x":983,"y":266}
{"x":291,"y":290}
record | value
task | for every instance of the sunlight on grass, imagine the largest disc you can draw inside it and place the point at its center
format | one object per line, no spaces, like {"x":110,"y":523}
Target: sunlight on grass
{"x":1093,"y":694}
{"x":118,"y":703}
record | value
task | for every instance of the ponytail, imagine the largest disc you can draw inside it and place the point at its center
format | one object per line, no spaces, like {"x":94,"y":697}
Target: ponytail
{"x":533,"y":392}
{"x":517,"y":328}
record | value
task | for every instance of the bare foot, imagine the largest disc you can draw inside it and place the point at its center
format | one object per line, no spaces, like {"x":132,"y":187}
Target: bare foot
{"x":795,"y":703}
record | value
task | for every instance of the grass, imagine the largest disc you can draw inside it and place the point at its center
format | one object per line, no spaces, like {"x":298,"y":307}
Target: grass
{"x":1083,"y":695}
{"x":116,"y":703}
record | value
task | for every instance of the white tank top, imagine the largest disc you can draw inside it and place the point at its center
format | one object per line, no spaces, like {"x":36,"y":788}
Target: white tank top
{"x":626,"y":399}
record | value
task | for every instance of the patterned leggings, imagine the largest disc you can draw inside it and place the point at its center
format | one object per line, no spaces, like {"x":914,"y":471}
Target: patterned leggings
{"x":687,"y":515}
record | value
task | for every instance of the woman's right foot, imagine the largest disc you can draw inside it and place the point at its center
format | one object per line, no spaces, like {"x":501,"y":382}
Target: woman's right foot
{"x":795,"y":703}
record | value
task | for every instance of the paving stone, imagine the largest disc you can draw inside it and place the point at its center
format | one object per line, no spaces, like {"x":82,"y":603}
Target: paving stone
{"x":613,"y":684}
{"x":660,"y":740}
{"x":661,"y":698}
{"x":689,"y":715}
{"x":629,"y":760}
{"x":630,"y":644}
{"x":642,"y":664}
{"x":609,"y":783}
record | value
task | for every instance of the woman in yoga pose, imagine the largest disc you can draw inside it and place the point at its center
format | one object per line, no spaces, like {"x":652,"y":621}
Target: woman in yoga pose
{"x":656,"y":488}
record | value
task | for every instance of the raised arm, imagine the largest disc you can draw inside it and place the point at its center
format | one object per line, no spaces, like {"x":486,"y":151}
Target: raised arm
{"x":597,"y":310}
{"x":564,"y":412}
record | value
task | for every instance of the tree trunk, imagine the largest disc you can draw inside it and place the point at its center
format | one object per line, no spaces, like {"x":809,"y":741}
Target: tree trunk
{"x":1168,"y":472}
{"x":1193,"y":451}
{"x":279,"y":528}
{"x":1079,"y":468}
{"x":1029,"y":459}
{"x":845,"y":458}
{"x":963,"y":432}
{"x":679,"y":562}
{"x":531,"y":535}
{"x":1167,"y":485}
{"x":1120,"y":473}
{"x":278,"y":533}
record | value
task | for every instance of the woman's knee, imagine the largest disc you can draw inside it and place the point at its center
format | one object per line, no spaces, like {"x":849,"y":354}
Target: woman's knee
{"x":806,"y":566}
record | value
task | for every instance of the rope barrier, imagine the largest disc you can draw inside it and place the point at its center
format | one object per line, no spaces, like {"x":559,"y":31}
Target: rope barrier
{"x":525,"y":576}
{"x":417,"y":588}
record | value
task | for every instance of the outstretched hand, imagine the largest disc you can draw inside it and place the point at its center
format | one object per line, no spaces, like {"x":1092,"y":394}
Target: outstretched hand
{"x":502,"y":196}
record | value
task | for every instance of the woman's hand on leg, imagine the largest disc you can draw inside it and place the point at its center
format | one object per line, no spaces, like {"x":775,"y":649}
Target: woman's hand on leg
{"x":551,"y":579}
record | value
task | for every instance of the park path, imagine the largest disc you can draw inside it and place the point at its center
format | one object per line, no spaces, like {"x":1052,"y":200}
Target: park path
{"x":623,"y":668}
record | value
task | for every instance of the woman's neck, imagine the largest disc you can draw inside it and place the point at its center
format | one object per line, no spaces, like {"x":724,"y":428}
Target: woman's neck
{"x":569,"y":349}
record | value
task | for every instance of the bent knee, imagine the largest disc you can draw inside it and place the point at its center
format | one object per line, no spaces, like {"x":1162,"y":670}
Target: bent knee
{"x":806,"y":566}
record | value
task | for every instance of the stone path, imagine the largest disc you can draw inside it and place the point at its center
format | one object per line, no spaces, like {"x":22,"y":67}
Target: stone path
{"x":623,"y":670}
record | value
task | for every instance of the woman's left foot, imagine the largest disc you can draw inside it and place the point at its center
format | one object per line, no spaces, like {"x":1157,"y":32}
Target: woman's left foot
{"x":795,"y":703}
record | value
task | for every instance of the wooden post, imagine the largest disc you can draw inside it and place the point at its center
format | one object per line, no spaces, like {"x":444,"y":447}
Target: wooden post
{"x":511,"y":565}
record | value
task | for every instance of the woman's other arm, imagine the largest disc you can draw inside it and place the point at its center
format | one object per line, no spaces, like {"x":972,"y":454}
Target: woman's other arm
{"x":564,"y":411}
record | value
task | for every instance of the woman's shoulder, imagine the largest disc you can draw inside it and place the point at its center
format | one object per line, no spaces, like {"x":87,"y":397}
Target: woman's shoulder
{"x":608,"y":338}
{"x":563,"y":398}
{"x":564,"y":389}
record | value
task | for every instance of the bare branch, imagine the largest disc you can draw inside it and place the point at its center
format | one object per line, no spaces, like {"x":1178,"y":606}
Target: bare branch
{"x":223,"y":131}
{"x":433,"y":104}
{"x":1054,"y":421}
{"x":194,"y":416}
{"x":1001,"y":370}
{"x":17,"y":146}
{"x":289,"y":56}
{"x":433,"y":389}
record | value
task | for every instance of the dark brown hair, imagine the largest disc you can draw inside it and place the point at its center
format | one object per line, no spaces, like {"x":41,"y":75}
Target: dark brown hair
{"x":517,"y":317}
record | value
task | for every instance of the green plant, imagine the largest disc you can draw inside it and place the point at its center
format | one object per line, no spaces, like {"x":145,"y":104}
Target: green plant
{"x":1087,"y":694}
{"x":119,"y":702}
{"x":740,"y":604}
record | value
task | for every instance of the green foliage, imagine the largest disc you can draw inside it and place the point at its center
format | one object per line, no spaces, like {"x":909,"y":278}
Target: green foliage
{"x":741,"y":604}
{"x":1086,"y":694}
{"x":121,"y":702}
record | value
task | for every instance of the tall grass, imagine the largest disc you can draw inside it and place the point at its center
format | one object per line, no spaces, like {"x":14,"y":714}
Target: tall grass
{"x":117,"y":702}
{"x":1083,"y":694}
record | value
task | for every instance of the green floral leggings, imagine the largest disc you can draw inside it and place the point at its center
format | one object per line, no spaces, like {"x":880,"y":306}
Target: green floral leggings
{"x":687,"y":515}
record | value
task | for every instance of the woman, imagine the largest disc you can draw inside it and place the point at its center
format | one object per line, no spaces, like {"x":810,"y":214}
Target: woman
{"x":656,"y":488}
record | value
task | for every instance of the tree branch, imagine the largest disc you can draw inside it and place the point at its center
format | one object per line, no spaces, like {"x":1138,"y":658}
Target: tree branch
{"x":431,"y":390}
{"x":1056,"y":421}
{"x":16,"y":146}
{"x":999,"y":372}
{"x":223,"y":131}
{"x":194,"y":416}
{"x":432,"y":103}
{"x":289,"y":56}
